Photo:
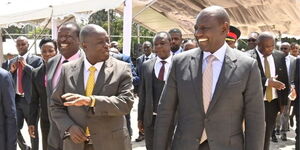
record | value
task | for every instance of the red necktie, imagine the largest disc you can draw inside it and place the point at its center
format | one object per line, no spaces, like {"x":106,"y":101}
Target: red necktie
{"x":20,"y":76}
{"x":162,"y":70}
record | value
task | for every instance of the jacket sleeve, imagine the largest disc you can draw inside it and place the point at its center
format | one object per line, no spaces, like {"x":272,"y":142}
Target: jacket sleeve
{"x":121,"y":103}
{"x":8,"y":97}
{"x":34,"y":103}
{"x":254,"y":111}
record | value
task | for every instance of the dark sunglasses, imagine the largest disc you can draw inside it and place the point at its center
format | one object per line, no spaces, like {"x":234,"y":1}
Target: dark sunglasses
{"x":251,"y":40}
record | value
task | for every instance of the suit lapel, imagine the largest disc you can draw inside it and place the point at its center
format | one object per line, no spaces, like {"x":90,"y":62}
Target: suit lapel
{"x":150,"y":70}
{"x":51,"y":71}
{"x":104,"y":75}
{"x":77,"y":76}
{"x":228,"y":67}
{"x":195,"y":68}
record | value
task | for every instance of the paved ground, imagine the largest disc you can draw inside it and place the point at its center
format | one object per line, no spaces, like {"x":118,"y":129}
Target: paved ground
{"x":288,"y":145}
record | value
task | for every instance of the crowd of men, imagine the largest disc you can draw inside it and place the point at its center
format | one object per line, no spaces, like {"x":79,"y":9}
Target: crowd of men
{"x":200,"y":94}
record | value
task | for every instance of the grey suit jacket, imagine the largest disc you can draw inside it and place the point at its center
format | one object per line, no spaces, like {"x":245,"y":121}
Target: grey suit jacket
{"x":114,"y":99}
{"x":292,"y":69}
{"x":145,"y":106}
{"x":8,"y":117}
{"x":237,"y":97}
{"x":140,"y":60}
{"x":32,"y":61}
{"x":54,"y":133}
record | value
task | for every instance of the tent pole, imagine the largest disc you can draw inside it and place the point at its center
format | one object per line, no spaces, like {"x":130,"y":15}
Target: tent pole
{"x":127,"y":27}
{"x":108,"y":22}
{"x":1,"y":47}
{"x":138,"y":33}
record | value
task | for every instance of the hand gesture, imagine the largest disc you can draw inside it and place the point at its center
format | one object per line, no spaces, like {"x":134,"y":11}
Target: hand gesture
{"x":73,"y":99}
{"x":141,"y":126}
{"x":77,"y":135}
{"x":31,"y":130}
{"x":273,"y":82}
{"x":13,"y":67}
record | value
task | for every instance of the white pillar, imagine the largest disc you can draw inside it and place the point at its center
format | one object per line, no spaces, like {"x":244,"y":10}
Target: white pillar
{"x":127,"y":23}
{"x":54,"y":28}
{"x":1,"y":48}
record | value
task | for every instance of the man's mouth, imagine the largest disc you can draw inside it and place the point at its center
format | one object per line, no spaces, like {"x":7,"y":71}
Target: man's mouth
{"x":64,"y":45}
{"x":202,"y":40}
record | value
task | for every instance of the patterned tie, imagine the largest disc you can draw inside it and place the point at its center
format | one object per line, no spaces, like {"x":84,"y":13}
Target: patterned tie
{"x":269,"y":95}
{"x":162,"y":70}
{"x":89,"y":89}
{"x":207,"y":79}
{"x":20,"y":78}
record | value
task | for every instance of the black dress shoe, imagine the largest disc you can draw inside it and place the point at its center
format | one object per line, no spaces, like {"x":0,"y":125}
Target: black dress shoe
{"x":274,"y":139}
{"x":283,"y":137}
{"x":140,"y":138}
{"x":277,"y":132}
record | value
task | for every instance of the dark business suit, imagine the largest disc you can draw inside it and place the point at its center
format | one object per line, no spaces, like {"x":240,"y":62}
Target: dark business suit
{"x":54,"y":140}
{"x":140,"y":60}
{"x":272,"y":108}
{"x":296,"y":102}
{"x":114,"y":99}
{"x":238,"y":96}
{"x":5,"y":65}
{"x":39,"y":103}
{"x":8,"y":117}
{"x":22,"y":102}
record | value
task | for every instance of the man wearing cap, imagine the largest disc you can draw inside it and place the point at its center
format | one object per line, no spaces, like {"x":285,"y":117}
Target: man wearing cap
{"x":232,"y":36}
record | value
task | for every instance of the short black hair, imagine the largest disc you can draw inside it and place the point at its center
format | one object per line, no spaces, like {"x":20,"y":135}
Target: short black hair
{"x":175,"y":30}
{"x":162,"y":34}
{"x":75,"y":25}
{"x":46,"y":40}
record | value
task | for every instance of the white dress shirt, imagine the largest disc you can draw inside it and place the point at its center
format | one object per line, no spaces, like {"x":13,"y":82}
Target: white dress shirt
{"x":86,"y":74}
{"x":158,"y":65}
{"x":271,"y":61}
{"x":216,"y":64}
{"x":288,"y":63}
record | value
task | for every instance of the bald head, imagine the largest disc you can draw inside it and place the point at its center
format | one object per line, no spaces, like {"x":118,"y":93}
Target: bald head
{"x":90,"y":29}
{"x":215,"y":11}
{"x":265,"y":35}
{"x":162,"y":35}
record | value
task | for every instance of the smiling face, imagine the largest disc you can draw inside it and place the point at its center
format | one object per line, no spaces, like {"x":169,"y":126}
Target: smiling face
{"x":48,"y":50}
{"x":96,"y":46}
{"x":209,"y":32}
{"x":68,"y":40}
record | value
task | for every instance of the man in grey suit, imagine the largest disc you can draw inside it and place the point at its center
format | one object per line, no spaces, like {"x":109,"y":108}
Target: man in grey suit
{"x":154,"y":74}
{"x":68,"y":46}
{"x":8,"y":115}
{"x":212,"y":89}
{"x":283,"y":118}
{"x":93,"y":96}
{"x":21,"y":68}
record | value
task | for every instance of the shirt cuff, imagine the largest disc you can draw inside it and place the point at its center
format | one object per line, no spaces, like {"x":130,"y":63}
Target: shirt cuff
{"x":267,"y":82}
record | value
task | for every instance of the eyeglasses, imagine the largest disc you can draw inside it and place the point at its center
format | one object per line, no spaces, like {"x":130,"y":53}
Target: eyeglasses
{"x":283,"y":48}
{"x":251,"y":40}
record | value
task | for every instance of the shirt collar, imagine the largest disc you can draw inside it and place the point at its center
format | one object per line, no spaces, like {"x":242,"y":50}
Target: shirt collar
{"x":219,"y":54}
{"x":74,"y":57}
{"x":25,"y":55}
{"x":87,"y":64}
{"x":168,"y":60}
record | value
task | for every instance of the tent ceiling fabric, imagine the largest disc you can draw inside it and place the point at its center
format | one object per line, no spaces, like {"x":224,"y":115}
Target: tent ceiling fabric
{"x":247,"y":15}
{"x":19,"y":11}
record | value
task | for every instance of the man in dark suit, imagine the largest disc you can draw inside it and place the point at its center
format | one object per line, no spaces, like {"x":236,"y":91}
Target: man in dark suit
{"x":211,"y":89}
{"x":5,"y":65}
{"x":21,"y":68}
{"x":274,"y":79}
{"x":38,"y":103}
{"x":176,"y":42}
{"x":8,"y":116}
{"x":93,"y":96}
{"x":68,"y":46}
{"x":296,"y":104}
{"x":154,"y":74}
{"x":147,"y":50}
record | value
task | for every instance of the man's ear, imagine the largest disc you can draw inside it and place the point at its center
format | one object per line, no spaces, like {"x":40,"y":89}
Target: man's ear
{"x":83,"y":45}
{"x":226,"y":27}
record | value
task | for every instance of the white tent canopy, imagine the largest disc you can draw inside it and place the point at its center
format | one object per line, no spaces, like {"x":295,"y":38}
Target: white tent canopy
{"x":19,"y":12}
